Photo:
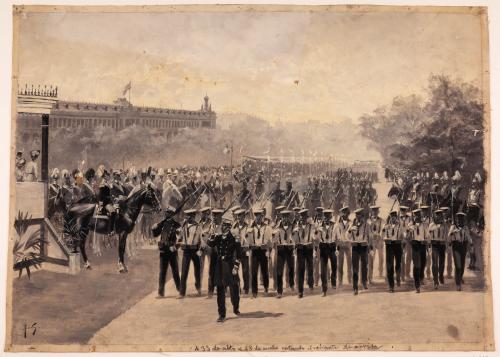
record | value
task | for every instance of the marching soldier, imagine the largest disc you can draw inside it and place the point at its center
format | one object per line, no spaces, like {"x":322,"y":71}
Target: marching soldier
{"x":376,"y":224}
{"x":405,"y":220}
{"x":283,"y":240}
{"x":318,"y":221}
{"x":190,"y":241}
{"x":417,"y":233}
{"x":393,"y":238}
{"x":304,"y":243}
{"x":316,"y":196}
{"x":359,"y":236}
{"x":437,"y":234}
{"x":290,"y":197}
{"x":426,"y":218}
{"x":167,"y":229}
{"x":447,"y":217}
{"x":239,"y":231}
{"x":216,"y":228}
{"x":226,"y":268}
{"x":459,"y":236}
{"x":344,"y":248}
{"x":276,"y":198}
{"x":205,"y":223}
{"x":327,"y":250}
{"x":259,"y":237}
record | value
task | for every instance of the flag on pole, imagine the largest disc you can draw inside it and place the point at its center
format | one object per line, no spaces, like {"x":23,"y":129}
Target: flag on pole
{"x":127,"y":87}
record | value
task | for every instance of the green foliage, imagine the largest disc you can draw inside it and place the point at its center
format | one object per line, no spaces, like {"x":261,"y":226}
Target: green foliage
{"x":442,"y":133}
{"x":26,"y":249}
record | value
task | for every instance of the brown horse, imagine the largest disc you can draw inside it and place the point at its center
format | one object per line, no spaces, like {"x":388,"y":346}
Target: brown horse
{"x":79,"y":219}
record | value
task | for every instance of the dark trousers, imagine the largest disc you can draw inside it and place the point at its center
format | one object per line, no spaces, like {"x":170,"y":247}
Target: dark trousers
{"x":359,"y":253}
{"x":259,"y":259}
{"x":188,"y":256}
{"x":211,"y":271}
{"x":418,"y":254}
{"x":234,"y":291}
{"x":285,"y":255}
{"x":459,"y":253}
{"x":327,"y":253}
{"x":305,"y":261}
{"x":393,"y":254}
{"x":438,"y":257}
{"x":245,"y":270}
{"x":168,"y":258}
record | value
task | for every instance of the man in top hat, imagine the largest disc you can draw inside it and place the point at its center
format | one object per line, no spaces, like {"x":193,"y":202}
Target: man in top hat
{"x":359,"y":235}
{"x":20,"y":166}
{"x":226,"y":268}
{"x":419,"y":238}
{"x":392,"y":233}
{"x":31,"y":170}
{"x":239,"y":230}
{"x":167,"y":229}
{"x":459,"y":237}
{"x":438,"y":237}
{"x":343,"y":245}
{"x":304,"y":232}
{"x":259,"y":184}
{"x":259,"y":237}
{"x":283,"y":240}
{"x":327,"y":250}
{"x":245,"y":196}
{"x":87,"y":188}
{"x":376,"y":224}
{"x":190,"y":241}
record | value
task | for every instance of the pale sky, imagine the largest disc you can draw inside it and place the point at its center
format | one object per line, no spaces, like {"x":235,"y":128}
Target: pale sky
{"x":346,"y":64}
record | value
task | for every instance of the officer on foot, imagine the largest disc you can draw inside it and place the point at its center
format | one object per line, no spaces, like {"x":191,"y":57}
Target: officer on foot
{"x":226,"y":268}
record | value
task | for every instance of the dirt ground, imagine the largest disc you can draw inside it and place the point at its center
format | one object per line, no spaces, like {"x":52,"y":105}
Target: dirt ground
{"x":70,"y":309}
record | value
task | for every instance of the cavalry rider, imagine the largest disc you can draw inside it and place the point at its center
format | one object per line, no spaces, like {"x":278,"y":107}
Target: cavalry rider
{"x":105,"y":200}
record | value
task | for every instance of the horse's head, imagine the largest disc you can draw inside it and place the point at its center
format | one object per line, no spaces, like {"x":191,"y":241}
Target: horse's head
{"x":151,"y":198}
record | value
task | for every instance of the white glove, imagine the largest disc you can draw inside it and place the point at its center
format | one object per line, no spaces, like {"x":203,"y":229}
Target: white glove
{"x":267,"y":254}
{"x":372,"y":253}
{"x":172,"y":248}
{"x":235,"y":271}
{"x":198,"y":253}
{"x":315,"y":254}
{"x":336,"y":253}
{"x":247,"y":253}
